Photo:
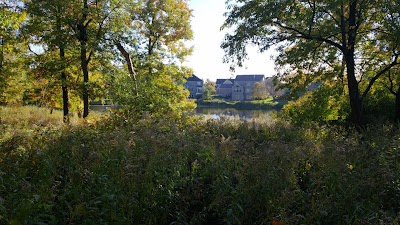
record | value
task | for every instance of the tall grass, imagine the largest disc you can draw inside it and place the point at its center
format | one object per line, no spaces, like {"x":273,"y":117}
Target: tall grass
{"x":30,"y":115}
{"x":192,"y":171}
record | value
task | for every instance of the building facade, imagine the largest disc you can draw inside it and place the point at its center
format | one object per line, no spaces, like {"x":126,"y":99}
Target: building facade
{"x":223,"y":87}
{"x":238,"y":89}
{"x":195,"y":86}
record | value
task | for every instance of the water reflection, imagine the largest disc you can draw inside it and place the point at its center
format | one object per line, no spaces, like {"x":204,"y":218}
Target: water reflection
{"x":101,"y":108}
{"x":216,"y":113}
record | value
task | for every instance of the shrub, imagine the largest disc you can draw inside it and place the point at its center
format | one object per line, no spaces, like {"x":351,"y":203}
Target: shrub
{"x":191,"y":171}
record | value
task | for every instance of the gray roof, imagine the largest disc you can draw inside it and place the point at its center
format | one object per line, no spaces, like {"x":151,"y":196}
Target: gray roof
{"x":194,"y":78}
{"x":226,"y":86}
{"x":221,"y":81}
{"x":255,"y":77}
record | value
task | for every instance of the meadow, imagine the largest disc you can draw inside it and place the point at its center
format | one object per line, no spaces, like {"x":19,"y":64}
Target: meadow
{"x":116,"y":169}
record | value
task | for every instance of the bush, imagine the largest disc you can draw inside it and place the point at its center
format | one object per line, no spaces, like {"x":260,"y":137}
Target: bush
{"x":190,"y":171}
{"x":324,"y":104}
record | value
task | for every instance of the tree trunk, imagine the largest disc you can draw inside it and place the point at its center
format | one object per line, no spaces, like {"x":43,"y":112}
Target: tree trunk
{"x":128,"y":61}
{"x":85,"y":71}
{"x":354,"y":93}
{"x":83,"y":38}
{"x":349,"y":52}
{"x":397,"y":106}
{"x":64,"y":87}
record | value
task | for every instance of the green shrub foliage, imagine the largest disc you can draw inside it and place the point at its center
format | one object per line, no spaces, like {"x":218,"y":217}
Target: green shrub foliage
{"x":323,"y":104}
{"x":191,"y":171}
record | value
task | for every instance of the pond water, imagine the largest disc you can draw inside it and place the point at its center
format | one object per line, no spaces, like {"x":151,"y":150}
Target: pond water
{"x":217,"y":113}
{"x":101,"y":108}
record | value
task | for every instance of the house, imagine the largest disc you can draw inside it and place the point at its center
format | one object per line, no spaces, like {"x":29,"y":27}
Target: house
{"x":240,"y":88}
{"x":223,"y":87}
{"x":195,"y":86}
{"x":243,"y":86}
{"x":238,"y":92}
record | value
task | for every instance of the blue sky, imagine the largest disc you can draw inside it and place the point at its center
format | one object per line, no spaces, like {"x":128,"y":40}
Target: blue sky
{"x":206,"y":60}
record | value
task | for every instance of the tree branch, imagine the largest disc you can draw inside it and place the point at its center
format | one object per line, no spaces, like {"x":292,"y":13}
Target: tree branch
{"x":310,"y":37}
{"x":30,"y":49}
{"x":384,"y":70}
{"x":89,"y":57}
{"x":391,"y":84}
{"x":129,"y":63}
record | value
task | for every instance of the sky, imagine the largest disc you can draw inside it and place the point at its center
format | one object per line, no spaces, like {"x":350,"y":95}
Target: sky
{"x":206,"y":60}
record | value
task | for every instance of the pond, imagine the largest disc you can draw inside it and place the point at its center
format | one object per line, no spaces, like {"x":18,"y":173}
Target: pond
{"x":213,"y":112}
{"x":245,"y":114}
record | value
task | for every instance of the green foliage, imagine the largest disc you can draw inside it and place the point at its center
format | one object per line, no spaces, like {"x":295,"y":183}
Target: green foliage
{"x":207,"y":95}
{"x":319,"y":41}
{"x":160,"y":94}
{"x":161,"y":27}
{"x":192,"y":171}
{"x":321,"y":105}
{"x":209,"y":90}
{"x":12,"y":50}
{"x":260,"y":91}
{"x":268,"y":104}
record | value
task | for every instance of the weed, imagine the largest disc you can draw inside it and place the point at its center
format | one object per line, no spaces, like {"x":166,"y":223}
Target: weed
{"x":123,"y":170}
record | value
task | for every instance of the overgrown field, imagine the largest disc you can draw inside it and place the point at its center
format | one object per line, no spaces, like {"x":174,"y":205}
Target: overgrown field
{"x":121,"y":170}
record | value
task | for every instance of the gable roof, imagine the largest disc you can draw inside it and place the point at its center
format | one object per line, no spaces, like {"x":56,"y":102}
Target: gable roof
{"x":225,"y":86}
{"x":194,"y":78}
{"x":220,"y":81}
{"x":229,"y":81}
{"x":253,"y":77}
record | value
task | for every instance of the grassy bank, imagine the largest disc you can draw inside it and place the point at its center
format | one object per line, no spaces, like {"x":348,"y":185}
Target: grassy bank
{"x":160,"y":171}
{"x":267,"y":104}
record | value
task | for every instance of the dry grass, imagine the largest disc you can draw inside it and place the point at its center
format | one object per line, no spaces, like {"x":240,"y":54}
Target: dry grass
{"x":33,"y":116}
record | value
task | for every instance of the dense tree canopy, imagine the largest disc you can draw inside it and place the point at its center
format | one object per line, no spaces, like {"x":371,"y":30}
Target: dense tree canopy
{"x":349,"y":42}
{"x":155,"y":46}
{"x":59,"y":45}
{"x":12,"y":48}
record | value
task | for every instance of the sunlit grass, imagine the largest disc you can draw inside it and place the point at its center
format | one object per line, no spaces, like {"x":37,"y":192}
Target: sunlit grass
{"x":34,"y":116}
{"x":30,"y":116}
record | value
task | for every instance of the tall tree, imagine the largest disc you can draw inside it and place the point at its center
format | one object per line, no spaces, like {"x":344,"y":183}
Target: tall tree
{"x":48,"y":27}
{"x":88,"y":20}
{"x":156,"y":45}
{"x":391,"y":42}
{"x":12,"y":44}
{"x":320,"y":36}
{"x":120,"y":34}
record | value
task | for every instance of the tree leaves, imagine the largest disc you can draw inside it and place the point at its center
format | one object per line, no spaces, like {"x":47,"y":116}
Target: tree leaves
{"x":318,"y":40}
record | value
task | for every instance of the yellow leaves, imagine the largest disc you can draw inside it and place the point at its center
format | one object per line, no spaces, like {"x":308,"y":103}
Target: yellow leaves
{"x":350,"y":166}
{"x":308,"y":165}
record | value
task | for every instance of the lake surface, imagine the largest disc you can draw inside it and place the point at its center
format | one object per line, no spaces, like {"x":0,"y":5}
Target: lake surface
{"x":212,"y":112}
{"x":101,"y":108}
{"x":231,"y":112}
